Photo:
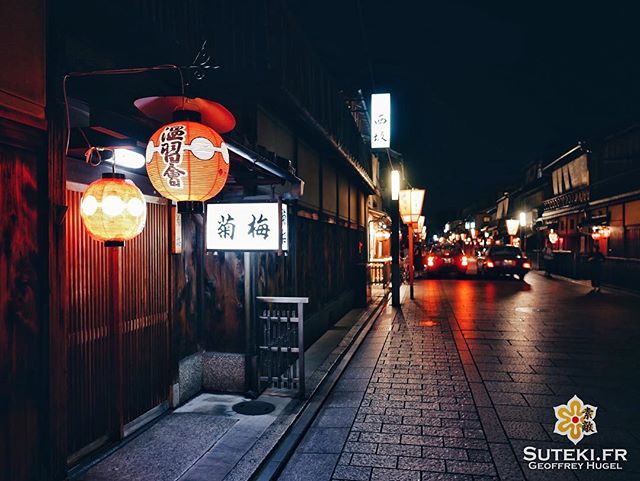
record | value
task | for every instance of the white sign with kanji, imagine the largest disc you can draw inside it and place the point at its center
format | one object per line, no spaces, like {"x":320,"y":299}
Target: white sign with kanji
{"x":247,"y":227}
{"x":380,"y":121}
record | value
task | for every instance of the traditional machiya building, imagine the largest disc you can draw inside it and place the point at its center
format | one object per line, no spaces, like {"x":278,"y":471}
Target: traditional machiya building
{"x":614,"y":206}
{"x":594,"y":199}
{"x":95,"y":341}
{"x":569,"y":197}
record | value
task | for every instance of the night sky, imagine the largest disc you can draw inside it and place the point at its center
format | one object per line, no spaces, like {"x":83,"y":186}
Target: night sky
{"x":478,"y":91}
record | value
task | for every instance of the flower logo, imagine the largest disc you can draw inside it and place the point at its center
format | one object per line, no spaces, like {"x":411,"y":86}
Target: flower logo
{"x":575,"y":419}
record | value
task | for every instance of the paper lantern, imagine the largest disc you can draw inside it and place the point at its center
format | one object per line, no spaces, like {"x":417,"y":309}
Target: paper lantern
{"x":113,"y":210}
{"x":553,"y":237}
{"x":512,"y":226}
{"x":187,"y":162}
{"x":410,"y":205}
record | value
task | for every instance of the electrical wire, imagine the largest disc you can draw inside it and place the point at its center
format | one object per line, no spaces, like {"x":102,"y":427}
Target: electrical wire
{"x":122,"y":71}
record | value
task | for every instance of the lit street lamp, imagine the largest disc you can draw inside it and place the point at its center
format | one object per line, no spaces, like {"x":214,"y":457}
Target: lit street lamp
{"x":411,"y":201}
{"x":523,"y":225}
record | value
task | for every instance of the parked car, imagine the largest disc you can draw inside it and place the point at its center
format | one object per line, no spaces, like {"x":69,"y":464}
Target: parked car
{"x":503,"y":260}
{"x":445,"y":258}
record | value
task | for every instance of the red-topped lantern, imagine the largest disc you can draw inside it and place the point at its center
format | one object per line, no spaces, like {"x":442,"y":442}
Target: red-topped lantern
{"x":187,"y":162}
{"x":113,"y":210}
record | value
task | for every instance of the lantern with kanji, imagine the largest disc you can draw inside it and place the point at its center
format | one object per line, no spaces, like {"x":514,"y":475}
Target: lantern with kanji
{"x":187,"y":162}
{"x":113,"y":210}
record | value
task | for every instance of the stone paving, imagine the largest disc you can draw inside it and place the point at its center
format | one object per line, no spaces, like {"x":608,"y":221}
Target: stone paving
{"x":455,"y":385}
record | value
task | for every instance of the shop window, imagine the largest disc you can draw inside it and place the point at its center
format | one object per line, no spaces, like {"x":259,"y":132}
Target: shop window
{"x":572,"y":224}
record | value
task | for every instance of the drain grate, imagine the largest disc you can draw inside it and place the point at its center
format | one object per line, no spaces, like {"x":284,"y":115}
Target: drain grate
{"x":253,"y":408}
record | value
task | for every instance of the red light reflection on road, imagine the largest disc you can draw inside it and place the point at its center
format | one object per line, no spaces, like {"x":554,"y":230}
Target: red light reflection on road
{"x":427,"y":323}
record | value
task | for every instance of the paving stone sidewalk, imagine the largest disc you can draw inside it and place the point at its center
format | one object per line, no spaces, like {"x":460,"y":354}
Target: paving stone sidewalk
{"x":457,"y":383}
{"x":402,"y":411}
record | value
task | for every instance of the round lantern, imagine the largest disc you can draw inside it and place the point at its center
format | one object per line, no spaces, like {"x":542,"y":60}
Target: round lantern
{"x":113,"y":210}
{"x":187,"y":162}
{"x":553,"y":237}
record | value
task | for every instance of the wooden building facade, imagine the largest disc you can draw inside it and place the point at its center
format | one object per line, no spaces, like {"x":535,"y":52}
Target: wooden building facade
{"x":94,"y":342}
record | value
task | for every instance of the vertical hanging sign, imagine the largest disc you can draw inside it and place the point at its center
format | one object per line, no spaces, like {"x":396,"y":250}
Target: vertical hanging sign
{"x":380,"y":121}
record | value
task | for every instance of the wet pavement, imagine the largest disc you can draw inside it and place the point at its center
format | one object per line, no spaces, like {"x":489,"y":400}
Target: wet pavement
{"x":461,"y":380}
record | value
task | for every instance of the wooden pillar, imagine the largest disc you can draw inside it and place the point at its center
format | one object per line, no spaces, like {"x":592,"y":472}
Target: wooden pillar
{"x":56,"y":440}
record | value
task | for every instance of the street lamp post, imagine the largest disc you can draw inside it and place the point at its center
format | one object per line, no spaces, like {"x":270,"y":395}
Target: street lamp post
{"x":523,"y":230}
{"x":410,"y":209}
{"x":395,"y":241}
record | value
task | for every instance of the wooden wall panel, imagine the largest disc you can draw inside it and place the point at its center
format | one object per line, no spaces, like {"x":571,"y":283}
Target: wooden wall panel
{"x":343,"y":197}
{"x":22,"y":36}
{"x":274,"y":136}
{"x":22,"y":324}
{"x":185,"y":273}
{"x":89,"y":357}
{"x":309,"y":171}
{"x":329,"y":189}
{"x":224,"y":315}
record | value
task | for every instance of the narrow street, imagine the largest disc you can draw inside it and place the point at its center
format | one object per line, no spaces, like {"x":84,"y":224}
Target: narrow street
{"x":213,"y":224}
{"x":459,"y":382}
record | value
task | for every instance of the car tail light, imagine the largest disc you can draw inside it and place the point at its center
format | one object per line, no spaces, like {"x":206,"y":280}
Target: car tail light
{"x":464,"y":261}
{"x":489,"y":263}
{"x":526,"y":265}
{"x":430,"y":261}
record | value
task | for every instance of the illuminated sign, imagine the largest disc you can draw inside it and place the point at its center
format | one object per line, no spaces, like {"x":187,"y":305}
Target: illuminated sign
{"x":247,"y":227}
{"x":380,"y":121}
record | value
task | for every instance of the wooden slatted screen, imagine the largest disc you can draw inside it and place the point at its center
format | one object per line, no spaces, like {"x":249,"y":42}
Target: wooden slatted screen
{"x":97,"y":413}
{"x":90,"y":361}
{"x":145,"y":305}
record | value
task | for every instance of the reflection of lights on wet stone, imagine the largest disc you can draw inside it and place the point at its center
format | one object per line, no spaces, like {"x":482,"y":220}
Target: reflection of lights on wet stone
{"x":427,"y":323}
{"x":529,"y":309}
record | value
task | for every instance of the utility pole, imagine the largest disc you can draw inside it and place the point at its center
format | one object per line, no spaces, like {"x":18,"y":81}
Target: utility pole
{"x":395,"y":255}
{"x":395,"y":239}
